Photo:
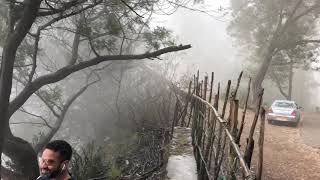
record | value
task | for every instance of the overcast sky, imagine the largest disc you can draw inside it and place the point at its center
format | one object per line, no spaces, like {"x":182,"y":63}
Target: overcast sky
{"x":212,"y":48}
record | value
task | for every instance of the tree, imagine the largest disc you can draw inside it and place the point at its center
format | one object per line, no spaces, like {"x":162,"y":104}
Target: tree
{"x":286,"y":62}
{"x":31,"y":22}
{"x":270,"y":28}
{"x":14,"y":145}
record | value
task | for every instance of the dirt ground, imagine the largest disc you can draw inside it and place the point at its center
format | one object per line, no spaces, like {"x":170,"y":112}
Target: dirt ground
{"x":286,"y":154}
{"x":310,"y":129}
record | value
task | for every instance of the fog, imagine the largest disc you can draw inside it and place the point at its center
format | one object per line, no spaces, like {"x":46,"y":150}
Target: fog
{"x":212,"y":48}
{"x":114,"y":102}
{"x":94,"y":111}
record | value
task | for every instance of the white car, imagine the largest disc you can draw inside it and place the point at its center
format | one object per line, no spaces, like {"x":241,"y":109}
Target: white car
{"x":284,"y":111}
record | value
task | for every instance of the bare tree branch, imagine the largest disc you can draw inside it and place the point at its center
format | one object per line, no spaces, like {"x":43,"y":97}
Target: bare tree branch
{"x":66,"y":71}
{"x":277,"y":81}
{"x":296,"y":43}
{"x":37,"y":116}
{"x":306,"y":41}
{"x":99,"y":69}
{"x":126,"y":4}
{"x":75,"y":46}
{"x":34,"y":56}
{"x":66,"y":6}
{"x":296,"y":7}
{"x":90,"y":38}
{"x":20,"y":66}
{"x":54,"y":112}
{"x":307,"y":11}
{"x":61,"y":16}
{"x":38,"y":147}
{"x":280,"y":18}
{"x":280,"y":31}
{"x":24,"y":122}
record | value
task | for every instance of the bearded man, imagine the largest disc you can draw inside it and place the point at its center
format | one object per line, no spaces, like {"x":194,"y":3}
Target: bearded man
{"x":54,"y":162}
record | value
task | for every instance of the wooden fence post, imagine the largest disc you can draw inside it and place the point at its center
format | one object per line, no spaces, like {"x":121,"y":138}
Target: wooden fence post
{"x":210,"y":141}
{"x":175,"y":116}
{"x":216,"y":106}
{"x":211,"y":87}
{"x":234,"y":124}
{"x":219,"y":161}
{"x":243,"y":114}
{"x":261,"y":140}
{"x":220,"y":150}
{"x":220,"y":141}
{"x":233,"y":130}
{"x":188,"y":98}
{"x":226,"y":99}
{"x":238,"y":84}
{"x":250,"y":141}
{"x":209,"y":123}
{"x":205,"y":88}
{"x":193,"y":100}
{"x":216,"y":99}
{"x":205,"y":122}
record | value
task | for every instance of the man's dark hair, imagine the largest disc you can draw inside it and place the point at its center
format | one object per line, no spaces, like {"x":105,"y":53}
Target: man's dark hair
{"x":64,"y":148}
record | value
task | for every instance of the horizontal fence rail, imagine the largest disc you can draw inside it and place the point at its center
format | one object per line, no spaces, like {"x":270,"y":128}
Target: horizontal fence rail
{"x":216,"y":139}
{"x":248,"y":174}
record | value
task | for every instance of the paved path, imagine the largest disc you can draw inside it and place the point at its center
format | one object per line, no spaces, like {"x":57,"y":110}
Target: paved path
{"x":310,"y":129}
{"x":181,"y":163}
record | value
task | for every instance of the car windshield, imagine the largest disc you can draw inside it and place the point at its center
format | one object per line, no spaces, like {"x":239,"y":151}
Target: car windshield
{"x":284,"y":104}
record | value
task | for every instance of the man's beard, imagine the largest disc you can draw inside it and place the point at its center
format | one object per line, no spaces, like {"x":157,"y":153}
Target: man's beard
{"x":53,"y":174}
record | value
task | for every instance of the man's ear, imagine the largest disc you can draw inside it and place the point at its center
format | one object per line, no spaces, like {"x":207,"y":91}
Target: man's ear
{"x":63,"y":166}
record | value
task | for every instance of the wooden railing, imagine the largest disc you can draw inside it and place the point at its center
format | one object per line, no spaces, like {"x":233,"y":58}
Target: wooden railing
{"x":216,"y":140}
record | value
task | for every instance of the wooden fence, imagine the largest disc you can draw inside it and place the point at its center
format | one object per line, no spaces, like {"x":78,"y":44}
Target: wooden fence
{"x":216,"y":139}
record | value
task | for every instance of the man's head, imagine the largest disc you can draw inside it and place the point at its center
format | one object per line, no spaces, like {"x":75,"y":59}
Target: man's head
{"x":55,"y":158}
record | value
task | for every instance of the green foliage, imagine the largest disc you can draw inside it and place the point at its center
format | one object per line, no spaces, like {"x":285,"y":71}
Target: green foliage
{"x":90,"y":163}
{"x":122,"y":142}
{"x":23,"y":59}
{"x":114,"y":172}
{"x":274,"y":29}
{"x":113,"y":25}
{"x":96,"y":161}
{"x":256,"y":23}
{"x":102,"y":43}
{"x":158,"y":38}
{"x":52,"y":96}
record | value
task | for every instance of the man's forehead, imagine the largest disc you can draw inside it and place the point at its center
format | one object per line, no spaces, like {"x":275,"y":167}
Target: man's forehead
{"x":50,"y":154}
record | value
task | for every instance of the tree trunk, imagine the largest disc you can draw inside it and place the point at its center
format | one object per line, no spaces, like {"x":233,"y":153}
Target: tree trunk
{"x":8,"y":57}
{"x":262,"y":71}
{"x":285,"y":92}
{"x":23,"y":155}
{"x":290,"y":80}
{"x":15,"y":35}
{"x":7,"y":174}
{"x":5,"y":91}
